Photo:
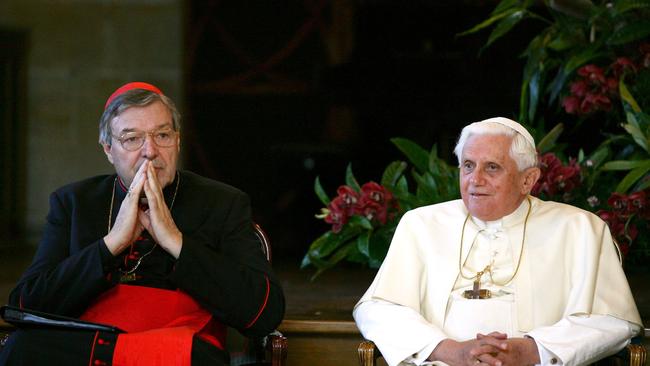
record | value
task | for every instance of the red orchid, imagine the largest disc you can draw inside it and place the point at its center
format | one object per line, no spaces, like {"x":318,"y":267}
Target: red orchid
{"x":557,"y":178}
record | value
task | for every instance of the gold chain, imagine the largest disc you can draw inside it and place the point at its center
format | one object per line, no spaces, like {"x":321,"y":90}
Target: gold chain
{"x":110,"y":217}
{"x":488,"y":268}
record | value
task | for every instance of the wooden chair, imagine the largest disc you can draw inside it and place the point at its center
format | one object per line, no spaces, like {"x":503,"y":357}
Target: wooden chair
{"x":633,"y":355}
{"x":267,"y":351}
{"x":272,"y":349}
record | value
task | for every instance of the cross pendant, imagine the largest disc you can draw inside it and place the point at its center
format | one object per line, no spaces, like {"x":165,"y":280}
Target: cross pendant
{"x":476,"y":292}
{"x":127,"y":277}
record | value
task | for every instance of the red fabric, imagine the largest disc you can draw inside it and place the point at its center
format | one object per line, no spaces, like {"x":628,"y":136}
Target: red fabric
{"x":160,"y":325}
{"x":130,"y":86}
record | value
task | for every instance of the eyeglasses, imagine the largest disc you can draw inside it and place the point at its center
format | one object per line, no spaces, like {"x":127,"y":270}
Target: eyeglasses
{"x":132,"y":141}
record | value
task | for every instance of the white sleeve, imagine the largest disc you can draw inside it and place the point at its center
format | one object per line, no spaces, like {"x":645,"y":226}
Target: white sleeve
{"x":400,"y":333}
{"x":582,"y":339}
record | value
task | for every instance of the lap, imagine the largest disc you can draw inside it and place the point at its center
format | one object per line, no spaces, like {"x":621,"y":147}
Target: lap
{"x":41,"y":346}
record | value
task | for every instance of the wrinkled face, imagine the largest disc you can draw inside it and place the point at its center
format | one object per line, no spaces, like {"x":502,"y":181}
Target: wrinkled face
{"x":490,"y":183}
{"x":153,"y":117}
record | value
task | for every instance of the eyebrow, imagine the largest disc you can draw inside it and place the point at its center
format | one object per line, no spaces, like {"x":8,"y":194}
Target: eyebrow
{"x":157,"y":128}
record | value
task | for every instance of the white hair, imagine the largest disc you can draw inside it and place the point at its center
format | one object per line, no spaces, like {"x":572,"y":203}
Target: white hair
{"x":522,"y":149}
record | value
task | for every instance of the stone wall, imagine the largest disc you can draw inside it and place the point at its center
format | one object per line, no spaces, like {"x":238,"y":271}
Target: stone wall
{"x":79,"y":51}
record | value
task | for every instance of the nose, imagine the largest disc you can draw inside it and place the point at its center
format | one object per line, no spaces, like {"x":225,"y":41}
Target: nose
{"x":476,"y":178}
{"x":149,"y":149}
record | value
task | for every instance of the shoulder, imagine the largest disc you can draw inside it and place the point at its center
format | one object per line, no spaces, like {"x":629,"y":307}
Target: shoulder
{"x":195,"y":183}
{"x":437,"y":213}
{"x":564,"y":213}
{"x":89,"y":186}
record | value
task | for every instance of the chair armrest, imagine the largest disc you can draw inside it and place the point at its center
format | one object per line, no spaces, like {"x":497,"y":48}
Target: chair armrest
{"x":3,"y":339}
{"x":277,"y":344}
{"x":5,"y":332}
{"x":637,"y":354}
{"x":368,"y":353}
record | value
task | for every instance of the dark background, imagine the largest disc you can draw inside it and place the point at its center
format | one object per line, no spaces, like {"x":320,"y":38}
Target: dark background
{"x":267,"y":111}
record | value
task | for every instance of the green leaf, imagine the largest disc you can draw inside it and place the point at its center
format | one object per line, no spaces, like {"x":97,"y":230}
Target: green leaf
{"x":505,"y":5}
{"x":487,"y":22}
{"x":625,"y":164}
{"x":643,"y":185}
{"x":313,"y":254}
{"x":505,"y":26}
{"x":581,"y":58}
{"x":392,"y":173}
{"x":415,"y":154}
{"x":599,"y":156}
{"x":363,"y":243}
{"x":360,"y":221}
{"x":427,"y":189}
{"x":350,"y":180}
{"x":547,"y":142}
{"x":629,"y":33}
{"x":380,"y":242}
{"x":627,"y":97}
{"x":336,"y":258}
{"x":632,"y":177}
{"x":623,"y":6}
{"x":320,"y":192}
{"x":401,"y":186}
{"x":557,"y":84}
{"x":533,"y":94}
{"x":562,"y":42}
{"x":570,"y":65}
{"x":638,"y":136}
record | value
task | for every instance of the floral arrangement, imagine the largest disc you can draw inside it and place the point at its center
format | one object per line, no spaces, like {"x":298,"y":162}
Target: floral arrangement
{"x":625,"y":214}
{"x":363,"y":218}
{"x":373,"y":203}
{"x":583,"y":69}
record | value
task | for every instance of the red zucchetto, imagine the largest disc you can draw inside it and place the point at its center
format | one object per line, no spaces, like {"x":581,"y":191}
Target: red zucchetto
{"x":130,"y":86}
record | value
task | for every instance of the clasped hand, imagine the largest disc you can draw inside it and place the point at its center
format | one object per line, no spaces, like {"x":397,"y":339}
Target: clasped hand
{"x":132,"y":220}
{"x":494,"y":349}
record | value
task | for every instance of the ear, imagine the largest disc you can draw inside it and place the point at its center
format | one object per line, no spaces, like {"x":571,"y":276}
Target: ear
{"x":107,"y":151}
{"x":531,"y":175}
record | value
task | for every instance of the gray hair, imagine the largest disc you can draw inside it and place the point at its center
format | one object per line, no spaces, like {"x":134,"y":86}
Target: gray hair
{"x":521,"y":150}
{"x":134,"y":98}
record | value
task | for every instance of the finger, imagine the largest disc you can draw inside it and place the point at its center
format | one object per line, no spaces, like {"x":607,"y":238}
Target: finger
{"x":482,"y":349}
{"x":153,"y":189}
{"x":145,"y":220}
{"x":498,"y":342}
{"x":153,"y":197}
{"x":140,"y":178}
{"x":498,"y":335}
{"x":154,"y":178}
{"x":488,"y":359}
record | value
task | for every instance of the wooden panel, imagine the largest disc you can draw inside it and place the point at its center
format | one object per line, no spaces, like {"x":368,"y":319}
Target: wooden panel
{"x":322,"y":342}
{"x":324,"y":350}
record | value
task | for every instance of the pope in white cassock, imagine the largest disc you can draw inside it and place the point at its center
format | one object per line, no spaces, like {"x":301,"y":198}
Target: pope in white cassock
{"x":499,"y":277}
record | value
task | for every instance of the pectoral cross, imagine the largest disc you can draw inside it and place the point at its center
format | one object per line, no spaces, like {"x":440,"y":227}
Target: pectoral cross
{"x":476,"y":292}
{"x":127,"y":277}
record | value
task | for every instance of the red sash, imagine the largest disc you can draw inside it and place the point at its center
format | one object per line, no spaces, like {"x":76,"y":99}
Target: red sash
{"x":160,"y":325}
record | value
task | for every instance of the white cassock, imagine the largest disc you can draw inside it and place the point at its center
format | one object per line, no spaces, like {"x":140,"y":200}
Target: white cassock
{"x":570,"y":293}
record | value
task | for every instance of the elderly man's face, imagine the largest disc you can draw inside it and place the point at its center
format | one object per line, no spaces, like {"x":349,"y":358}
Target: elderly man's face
{"x":490,"y":183}
{"x":153,"y":117}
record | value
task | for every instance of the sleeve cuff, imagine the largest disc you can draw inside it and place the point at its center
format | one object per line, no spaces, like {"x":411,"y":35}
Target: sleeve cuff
{"x":109,"y":262}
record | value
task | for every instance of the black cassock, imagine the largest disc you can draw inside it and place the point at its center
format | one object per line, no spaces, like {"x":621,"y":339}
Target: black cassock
{"x":220,"y":265}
